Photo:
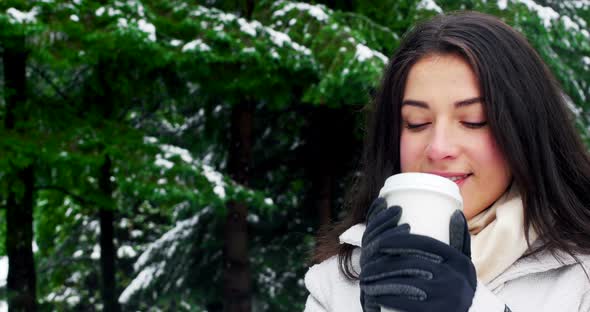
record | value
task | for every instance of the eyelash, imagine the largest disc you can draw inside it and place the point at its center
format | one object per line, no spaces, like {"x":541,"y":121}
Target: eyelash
{"x":470,"y":125}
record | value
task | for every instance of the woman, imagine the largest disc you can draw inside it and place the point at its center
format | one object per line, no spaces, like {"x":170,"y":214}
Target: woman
{"x":465,"y":97}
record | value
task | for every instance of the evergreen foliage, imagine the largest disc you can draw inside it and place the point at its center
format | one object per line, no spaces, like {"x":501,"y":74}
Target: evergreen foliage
{"x":150,"y":84}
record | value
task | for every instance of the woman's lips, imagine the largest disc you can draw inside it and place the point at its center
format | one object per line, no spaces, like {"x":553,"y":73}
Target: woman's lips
{"x":461,"y":181}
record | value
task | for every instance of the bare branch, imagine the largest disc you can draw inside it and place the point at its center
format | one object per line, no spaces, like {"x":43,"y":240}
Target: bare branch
{"x":47,"y":79}
{"x":65,"y":191}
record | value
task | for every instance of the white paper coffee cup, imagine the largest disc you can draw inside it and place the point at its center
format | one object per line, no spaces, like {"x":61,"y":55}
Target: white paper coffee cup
{"x":427,"y":200}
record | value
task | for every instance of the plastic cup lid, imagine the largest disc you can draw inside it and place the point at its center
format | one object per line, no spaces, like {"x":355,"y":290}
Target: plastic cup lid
{"x":422,"y":181}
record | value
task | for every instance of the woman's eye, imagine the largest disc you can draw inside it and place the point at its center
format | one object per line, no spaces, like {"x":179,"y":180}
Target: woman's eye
{"x":415,"y":126}
{"x":474,"y":125}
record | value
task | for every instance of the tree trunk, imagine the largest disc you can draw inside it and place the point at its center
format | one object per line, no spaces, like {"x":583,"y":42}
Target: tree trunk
{"x":106,"y":215}
{"x":319,"y":158}
{"x":107,"y":247}
{"x":237,"y":280}
{"x":328,"y":153}
{"x":21,"y":280}
{"x":322,"y":184}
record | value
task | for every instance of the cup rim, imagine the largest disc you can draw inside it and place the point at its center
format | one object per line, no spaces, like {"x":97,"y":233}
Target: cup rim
{"x":428,"y":181}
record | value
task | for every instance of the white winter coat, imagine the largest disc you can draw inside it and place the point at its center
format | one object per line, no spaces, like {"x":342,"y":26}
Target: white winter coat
{"x":532,"y":284}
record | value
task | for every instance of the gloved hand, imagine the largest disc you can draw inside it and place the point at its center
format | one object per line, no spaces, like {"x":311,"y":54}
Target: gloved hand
{"x":413,"y":273}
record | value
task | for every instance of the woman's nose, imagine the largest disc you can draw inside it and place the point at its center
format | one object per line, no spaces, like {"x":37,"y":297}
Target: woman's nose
{"x":443,"y":143}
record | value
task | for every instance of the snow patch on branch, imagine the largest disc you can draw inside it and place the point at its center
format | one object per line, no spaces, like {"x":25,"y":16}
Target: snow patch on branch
{"x":196,"y":44}
{"x":147,"y":28}
{"x":221,"y":21}
{"x":216,"y":178}
{"x":166,"y":244}
{"x":317,"y":11}
{"x":188,"y":123}
{"x":213,"y":176}
{"x":364,"y":53}
{"x":171,"y":151}
{"x":100,"y":11}
{"x":546,"y":14}
{"x":429,"y":5}
{"x":3,"y":270}
{"x":21,"y":17}
{"x":143,"y":280}
{"x":69,"y":295}
{"x":249,"y":27}
{"x":280,"y":38}
{"x":126,"y":251}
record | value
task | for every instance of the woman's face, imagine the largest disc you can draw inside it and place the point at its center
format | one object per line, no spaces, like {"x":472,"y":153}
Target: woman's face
{"x":445,"y":131}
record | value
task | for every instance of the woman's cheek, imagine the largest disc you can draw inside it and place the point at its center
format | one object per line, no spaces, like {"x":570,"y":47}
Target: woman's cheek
{"x":409,"y":153}
{"x":487,"y":150}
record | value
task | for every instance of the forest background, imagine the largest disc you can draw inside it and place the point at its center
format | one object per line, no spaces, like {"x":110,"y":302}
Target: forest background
{"x":173,"y":155}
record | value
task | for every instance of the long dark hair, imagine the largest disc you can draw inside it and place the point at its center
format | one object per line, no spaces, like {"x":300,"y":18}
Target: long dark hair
{"x":526,"y":112}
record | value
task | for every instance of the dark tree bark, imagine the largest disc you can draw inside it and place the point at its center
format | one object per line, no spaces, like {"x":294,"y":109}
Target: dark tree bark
{"x":250,"y":4}
{"x":319,"y":161}
{"x":106,"y":216}
{"x":322,"y":184}
{"x":237,"y":284}
{"x":341,"y":5}
{"x":328,"y":154}
{"x":107,"y":247}
{"x":21,"y":280}
{"x":237,"y":279}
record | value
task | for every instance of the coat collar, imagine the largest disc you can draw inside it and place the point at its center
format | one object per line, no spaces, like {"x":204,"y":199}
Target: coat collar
{"x":354,"y":235}
{"x":541,"y":262}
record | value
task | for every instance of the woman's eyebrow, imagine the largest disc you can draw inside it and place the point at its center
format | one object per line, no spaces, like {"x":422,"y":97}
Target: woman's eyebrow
{"x":420,"y":104}
{"x":467,"y":102}
{"x":462,"y":103}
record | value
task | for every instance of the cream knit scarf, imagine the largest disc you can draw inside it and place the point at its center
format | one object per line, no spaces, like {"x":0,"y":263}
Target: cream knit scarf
{"x":497,"y":236}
